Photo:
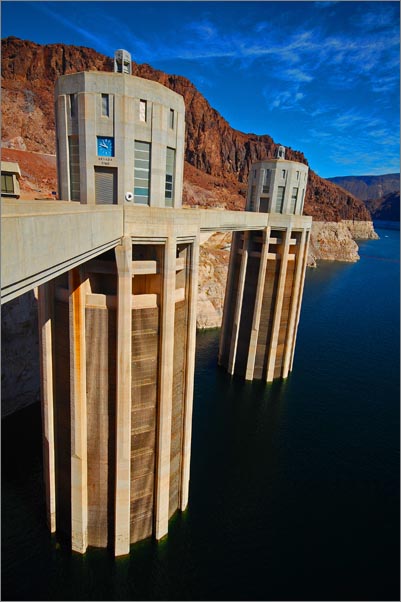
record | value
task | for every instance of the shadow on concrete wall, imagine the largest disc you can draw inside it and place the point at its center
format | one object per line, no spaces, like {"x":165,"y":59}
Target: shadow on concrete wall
{"x":20,"y":371}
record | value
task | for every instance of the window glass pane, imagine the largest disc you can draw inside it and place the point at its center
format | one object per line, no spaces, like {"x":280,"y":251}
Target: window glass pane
{"x":105,"y":105}
{"x":141,"y":172}
{"x":293,"y":202}
{"x":73,"y":152}
{"x":142,"y":146}
{"x":142,"y":110}
{"x":171,"y":119}
{"x":73,"y":105}
{"x":279,"y":199}
{"x":169,"y":182}
{"x":7,"y":184}
{"x":253,"y":198}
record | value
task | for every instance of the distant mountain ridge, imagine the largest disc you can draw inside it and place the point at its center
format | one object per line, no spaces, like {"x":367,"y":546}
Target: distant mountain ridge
{"x":217,"y":157}
{"x":387,"y":208}
{"x":381,"y":194}
{"x":369,"y":187}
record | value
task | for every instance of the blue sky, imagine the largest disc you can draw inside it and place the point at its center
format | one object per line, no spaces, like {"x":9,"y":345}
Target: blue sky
{"x":321,"y":77}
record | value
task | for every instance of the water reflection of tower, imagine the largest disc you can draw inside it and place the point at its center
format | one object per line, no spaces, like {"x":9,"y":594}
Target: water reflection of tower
{"x":266,"y":274}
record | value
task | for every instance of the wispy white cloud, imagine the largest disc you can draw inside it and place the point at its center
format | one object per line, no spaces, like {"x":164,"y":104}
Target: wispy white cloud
{"x":285,"y":100}
{"x":296,"y":75}
{"x":383,"y":17}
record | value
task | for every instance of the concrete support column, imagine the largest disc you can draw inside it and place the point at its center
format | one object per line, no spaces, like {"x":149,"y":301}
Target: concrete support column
{"x":79,"y":463}
{"x":296,"y":299}
{"x":230,"y":275}
{"x":301,"y":292}
{"x":278,"y":305}
{"x":45,"y":319}
{"x":165,"y":389}
{"x":258,"y":306}
{"x":238,"y":306}
{"x":123,"y":398}
{"x":190,"y":371}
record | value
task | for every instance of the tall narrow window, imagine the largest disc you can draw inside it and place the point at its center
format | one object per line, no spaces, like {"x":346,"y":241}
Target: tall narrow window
{"x":266,"y":181}
{"x":143,"y":110}
{"x":142,"y":172}
{"x":171,"y":119}
{"x":105,"y":105}
{"x":169,"y":188}
{"x":293,"y":201}
{"x":73,"y":105}
{"x":253,"y":198}
{"x":279,"y":199}
{"x":73,"y":153}
{"x":283,"y":173}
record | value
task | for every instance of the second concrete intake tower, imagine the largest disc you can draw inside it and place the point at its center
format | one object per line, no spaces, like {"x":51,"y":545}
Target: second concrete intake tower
{"x":266,"y":275}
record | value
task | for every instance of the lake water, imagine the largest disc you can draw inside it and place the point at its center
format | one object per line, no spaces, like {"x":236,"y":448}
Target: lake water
{"x":294,"y":491}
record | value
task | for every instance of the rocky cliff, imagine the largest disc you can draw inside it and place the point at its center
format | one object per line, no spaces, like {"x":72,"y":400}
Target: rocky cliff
{"x":217,"y":156}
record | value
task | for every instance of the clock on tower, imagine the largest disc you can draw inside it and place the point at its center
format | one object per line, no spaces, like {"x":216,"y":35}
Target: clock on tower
{"x":105,"y":146}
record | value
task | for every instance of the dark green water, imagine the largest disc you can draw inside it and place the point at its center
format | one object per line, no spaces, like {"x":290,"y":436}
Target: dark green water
{"x":294,"y":490}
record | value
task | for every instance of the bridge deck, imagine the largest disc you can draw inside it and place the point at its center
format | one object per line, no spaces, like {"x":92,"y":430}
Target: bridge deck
{"x":42,"y":239}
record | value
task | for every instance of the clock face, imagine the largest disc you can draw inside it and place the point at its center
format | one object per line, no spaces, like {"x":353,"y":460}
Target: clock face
{"x":105,"y":146}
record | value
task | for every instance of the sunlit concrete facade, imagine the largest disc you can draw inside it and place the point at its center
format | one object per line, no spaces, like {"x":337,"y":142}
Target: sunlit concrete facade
{"x":120,"y":140}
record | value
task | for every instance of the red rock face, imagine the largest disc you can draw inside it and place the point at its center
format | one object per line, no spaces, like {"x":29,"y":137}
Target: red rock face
{"x":218,"y":157}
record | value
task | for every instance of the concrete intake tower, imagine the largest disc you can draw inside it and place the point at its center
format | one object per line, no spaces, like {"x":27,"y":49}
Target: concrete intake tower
{"x":266,"y":276}
{"x":116,"y":263}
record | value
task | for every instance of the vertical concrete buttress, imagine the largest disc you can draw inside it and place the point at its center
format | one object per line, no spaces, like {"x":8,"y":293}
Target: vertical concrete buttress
{"x":295,"y":303}
{"x":238,"y":304}
{"x":79,"y":464}
{"x":189,"y":372}
{"x":258,"y":306}
{"x":278,"y":305}
{"x":45,"y":319}
{"x":166,"y":389}
{"x":123,"y":398}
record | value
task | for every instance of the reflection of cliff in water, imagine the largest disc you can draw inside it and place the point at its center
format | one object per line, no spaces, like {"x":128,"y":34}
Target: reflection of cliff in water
{"x":20,"y":372}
